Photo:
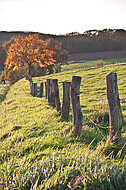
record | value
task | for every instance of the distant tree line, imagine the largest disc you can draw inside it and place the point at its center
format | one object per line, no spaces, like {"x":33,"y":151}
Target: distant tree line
{"x":95,"y":41}
{"x":89,"y":41}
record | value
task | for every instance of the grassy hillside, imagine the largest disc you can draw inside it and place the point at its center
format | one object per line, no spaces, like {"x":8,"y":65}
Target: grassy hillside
{"x":88,"y":64}
{"x":36,"y":149}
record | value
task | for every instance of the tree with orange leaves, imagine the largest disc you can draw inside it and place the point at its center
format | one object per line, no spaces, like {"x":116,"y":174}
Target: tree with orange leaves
{"x":28,"y":51}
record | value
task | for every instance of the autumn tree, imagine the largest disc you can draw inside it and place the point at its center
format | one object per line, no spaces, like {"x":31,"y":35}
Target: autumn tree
{"x":28,"y":51}
{"x":60,"y":56}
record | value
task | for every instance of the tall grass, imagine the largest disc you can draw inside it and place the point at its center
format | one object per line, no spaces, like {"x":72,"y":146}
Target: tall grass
{"x":36,"y":150}
{"x":60,"y":171}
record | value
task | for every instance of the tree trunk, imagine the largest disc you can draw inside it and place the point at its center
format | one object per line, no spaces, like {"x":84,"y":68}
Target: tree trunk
{"x":115,"y":114}
{"x":29,"y":69}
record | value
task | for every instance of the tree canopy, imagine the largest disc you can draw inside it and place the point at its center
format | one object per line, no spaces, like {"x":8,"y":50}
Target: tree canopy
{"x":60,"y":56}
{"x":29,"y":50}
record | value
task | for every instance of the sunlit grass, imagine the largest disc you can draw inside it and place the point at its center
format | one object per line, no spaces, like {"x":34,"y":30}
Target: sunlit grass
{"x":89,"y":64}
{"x":36,"y":149}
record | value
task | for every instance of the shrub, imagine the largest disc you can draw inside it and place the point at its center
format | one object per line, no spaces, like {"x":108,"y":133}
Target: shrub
{"x":99,"y":63}
{"x":14,"y":76}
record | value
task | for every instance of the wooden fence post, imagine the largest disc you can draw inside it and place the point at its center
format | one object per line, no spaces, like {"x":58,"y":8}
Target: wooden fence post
{"x":48,"y":90}
{"x":34,"y":89}
{"x":66,"y":101}
{"x":76,"y":109}
{"x":41,"y":89}
{"x":56,"y":92}
{"x":30,"y":81}
{"x":31,"y":88}
{"x":52,"y":93}
{"x":115,"y":114}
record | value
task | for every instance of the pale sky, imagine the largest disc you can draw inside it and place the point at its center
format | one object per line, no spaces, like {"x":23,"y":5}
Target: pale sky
{"x":62,"y":16}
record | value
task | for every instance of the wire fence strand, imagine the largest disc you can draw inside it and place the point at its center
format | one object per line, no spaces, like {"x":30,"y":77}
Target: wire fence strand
{"x":101,"y":79}
{"x":97,"y":125}
{"x":92,"y":97}
{"x":93,"y":79}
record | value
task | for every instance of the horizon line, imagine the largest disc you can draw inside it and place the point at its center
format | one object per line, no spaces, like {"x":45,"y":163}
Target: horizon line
{"x":28,"y":31}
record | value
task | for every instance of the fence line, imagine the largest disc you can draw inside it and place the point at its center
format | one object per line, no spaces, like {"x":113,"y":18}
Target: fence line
{"x":75,"y":99}
{"x":123,"y":100}
{"x":98,"y":80}
{"x":84,"y":94}
{"x":93,"y":79}
{"x":92,"y":97}
{"x":101,"y":79}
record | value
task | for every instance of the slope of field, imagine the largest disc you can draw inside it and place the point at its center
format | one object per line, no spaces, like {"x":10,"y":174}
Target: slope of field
{"x":89,"y":64}
{"x":36,"y":149}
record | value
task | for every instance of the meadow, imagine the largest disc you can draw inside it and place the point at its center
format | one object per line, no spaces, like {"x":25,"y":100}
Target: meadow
{"x":36,"y":148}
{"x":88,"y":64}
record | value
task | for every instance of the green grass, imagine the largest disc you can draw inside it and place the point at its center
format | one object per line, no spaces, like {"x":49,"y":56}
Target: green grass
{"x":36,"y":149}
{"x":89,"y":64}
{"x":3,"y":92}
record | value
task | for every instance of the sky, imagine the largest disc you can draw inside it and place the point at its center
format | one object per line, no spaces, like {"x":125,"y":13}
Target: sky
{"x":62,"y":16}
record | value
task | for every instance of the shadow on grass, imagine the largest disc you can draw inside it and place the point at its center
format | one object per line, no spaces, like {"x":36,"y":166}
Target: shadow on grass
{"x":90,"y":137}
{"x":4,"y":93}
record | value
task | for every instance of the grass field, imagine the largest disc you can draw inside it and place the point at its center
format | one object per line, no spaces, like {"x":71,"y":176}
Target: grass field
{"x":36,"y":149}
{"x":89,"y":64}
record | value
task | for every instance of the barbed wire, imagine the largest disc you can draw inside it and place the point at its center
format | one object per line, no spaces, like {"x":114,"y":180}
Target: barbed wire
{"x":101,"y":79}
{"x":98,"y":99}
{"x":122,"y":81}
{"x":97,"y":125}
{"x":98,"y":80}
{"x":123,"y":100}
{"x":93,"y":79}
{"x":92,"y":97}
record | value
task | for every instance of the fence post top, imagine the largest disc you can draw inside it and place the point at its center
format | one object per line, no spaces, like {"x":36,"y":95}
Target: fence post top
{"x":111,"y":74}
{"x":76,"y":77}
{"x":66,"y":82}
{"x":111,"y":77}
{"x":54,"y":79}
{"x":47,"y":79}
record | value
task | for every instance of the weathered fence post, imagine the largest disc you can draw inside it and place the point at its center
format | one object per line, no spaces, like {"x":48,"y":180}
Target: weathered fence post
{"x":31,"y":88}
{"x":48,"y":90}
{"x":52,"y":93}
{"x":76,"y":109}
{"x":34,"y":89}
{"x":115,"y":114}
{"x":66,"y":101}
{"x":41,"y":89}
{"x":28,"y":77}
{"x":56,"y":92}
